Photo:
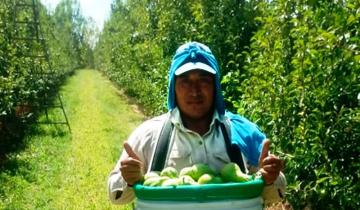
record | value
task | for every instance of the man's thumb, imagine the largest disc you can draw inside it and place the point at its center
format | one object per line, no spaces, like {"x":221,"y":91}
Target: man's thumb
{"x":265,"y":150}
{"x":130,"y":151}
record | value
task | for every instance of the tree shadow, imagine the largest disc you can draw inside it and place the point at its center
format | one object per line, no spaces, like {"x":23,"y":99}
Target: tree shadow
{"x":15,"y":127}
{"x":12,"y":133}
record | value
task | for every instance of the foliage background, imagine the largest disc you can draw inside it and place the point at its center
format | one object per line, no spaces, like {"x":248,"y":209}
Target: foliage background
{"x":25,"y":77}
{"x":290,"y":66}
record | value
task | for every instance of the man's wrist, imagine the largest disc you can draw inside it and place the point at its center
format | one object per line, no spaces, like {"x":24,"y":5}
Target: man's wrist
{"x":259,"y":173}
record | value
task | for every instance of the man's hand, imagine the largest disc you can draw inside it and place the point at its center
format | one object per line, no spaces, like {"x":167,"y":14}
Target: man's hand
{"x":131,"y":168}
{"x":270,"y":165}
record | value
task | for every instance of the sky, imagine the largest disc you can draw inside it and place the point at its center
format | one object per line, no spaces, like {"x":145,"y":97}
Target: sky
{"x":99,"y":10}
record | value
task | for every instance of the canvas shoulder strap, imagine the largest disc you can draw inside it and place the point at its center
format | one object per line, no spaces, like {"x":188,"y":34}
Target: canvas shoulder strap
{"x":233,"y":151}
{"x":162,"y":146}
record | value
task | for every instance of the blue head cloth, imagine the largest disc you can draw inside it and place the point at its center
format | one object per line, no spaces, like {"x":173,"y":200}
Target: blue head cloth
{"x":247,"y":136}
{"x":193,"y":54}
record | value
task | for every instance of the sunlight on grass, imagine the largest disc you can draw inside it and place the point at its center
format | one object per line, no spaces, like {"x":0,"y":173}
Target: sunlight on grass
{"x":57,"y":170}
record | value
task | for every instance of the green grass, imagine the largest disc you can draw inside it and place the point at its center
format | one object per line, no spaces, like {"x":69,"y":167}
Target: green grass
{"x":59,"y":170}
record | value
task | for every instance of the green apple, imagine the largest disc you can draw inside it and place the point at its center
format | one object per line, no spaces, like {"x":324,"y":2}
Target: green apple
{"x":209,"y":179}
{"x":151,"y":174}
{"x":169,"y":172}
{"x":187,"y":180}
{"x":155,"y":181}
{"x":200,"y":169}
{"x":231,"y":172}
{"x":186,"y":171}
{"x":217,"y":180}
{"x":172,"y":182}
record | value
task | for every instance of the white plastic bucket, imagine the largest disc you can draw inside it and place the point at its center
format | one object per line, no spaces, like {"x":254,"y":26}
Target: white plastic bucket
{"x":248,"y":204}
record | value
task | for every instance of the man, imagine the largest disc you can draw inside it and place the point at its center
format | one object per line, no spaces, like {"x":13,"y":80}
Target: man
{"x":196,"y":112}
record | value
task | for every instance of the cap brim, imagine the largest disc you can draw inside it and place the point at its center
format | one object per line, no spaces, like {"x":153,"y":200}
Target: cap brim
{"x":192,"y":66}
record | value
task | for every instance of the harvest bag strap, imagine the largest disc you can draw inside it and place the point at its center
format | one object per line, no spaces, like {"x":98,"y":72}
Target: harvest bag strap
{"x":233,"y":151}
{"x":162,"y":147}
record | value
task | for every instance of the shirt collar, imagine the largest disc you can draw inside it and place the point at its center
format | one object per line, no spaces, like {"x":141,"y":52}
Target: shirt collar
{"x":177,"y":121}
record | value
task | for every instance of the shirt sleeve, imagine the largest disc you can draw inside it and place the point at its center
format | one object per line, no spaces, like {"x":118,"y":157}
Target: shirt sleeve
{"x":119,"y":192}
{"x":275,"y":192}
{"x":142,"y":140}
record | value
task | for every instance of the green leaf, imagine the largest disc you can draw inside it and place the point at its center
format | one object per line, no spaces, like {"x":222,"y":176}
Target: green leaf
{"x":321,"y":180}
{"x":350,"y":19}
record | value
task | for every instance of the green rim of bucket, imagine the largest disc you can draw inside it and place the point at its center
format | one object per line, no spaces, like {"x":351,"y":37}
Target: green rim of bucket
{"x":243,"y":190}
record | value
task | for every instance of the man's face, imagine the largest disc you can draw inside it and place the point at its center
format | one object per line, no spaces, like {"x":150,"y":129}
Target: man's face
{"x":194,"y":92}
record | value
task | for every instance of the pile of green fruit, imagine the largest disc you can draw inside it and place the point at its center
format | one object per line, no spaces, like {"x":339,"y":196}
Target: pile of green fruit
{"x":197,"y":174}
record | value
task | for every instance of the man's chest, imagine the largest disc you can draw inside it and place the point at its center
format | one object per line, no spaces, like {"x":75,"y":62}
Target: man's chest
{"x":187,"y":149}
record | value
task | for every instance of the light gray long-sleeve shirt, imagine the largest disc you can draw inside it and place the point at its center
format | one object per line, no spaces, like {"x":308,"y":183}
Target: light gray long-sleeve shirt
{"x":186,"y":149}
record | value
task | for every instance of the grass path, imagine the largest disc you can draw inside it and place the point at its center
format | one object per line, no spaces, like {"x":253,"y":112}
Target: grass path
{"x":58,"y":170}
